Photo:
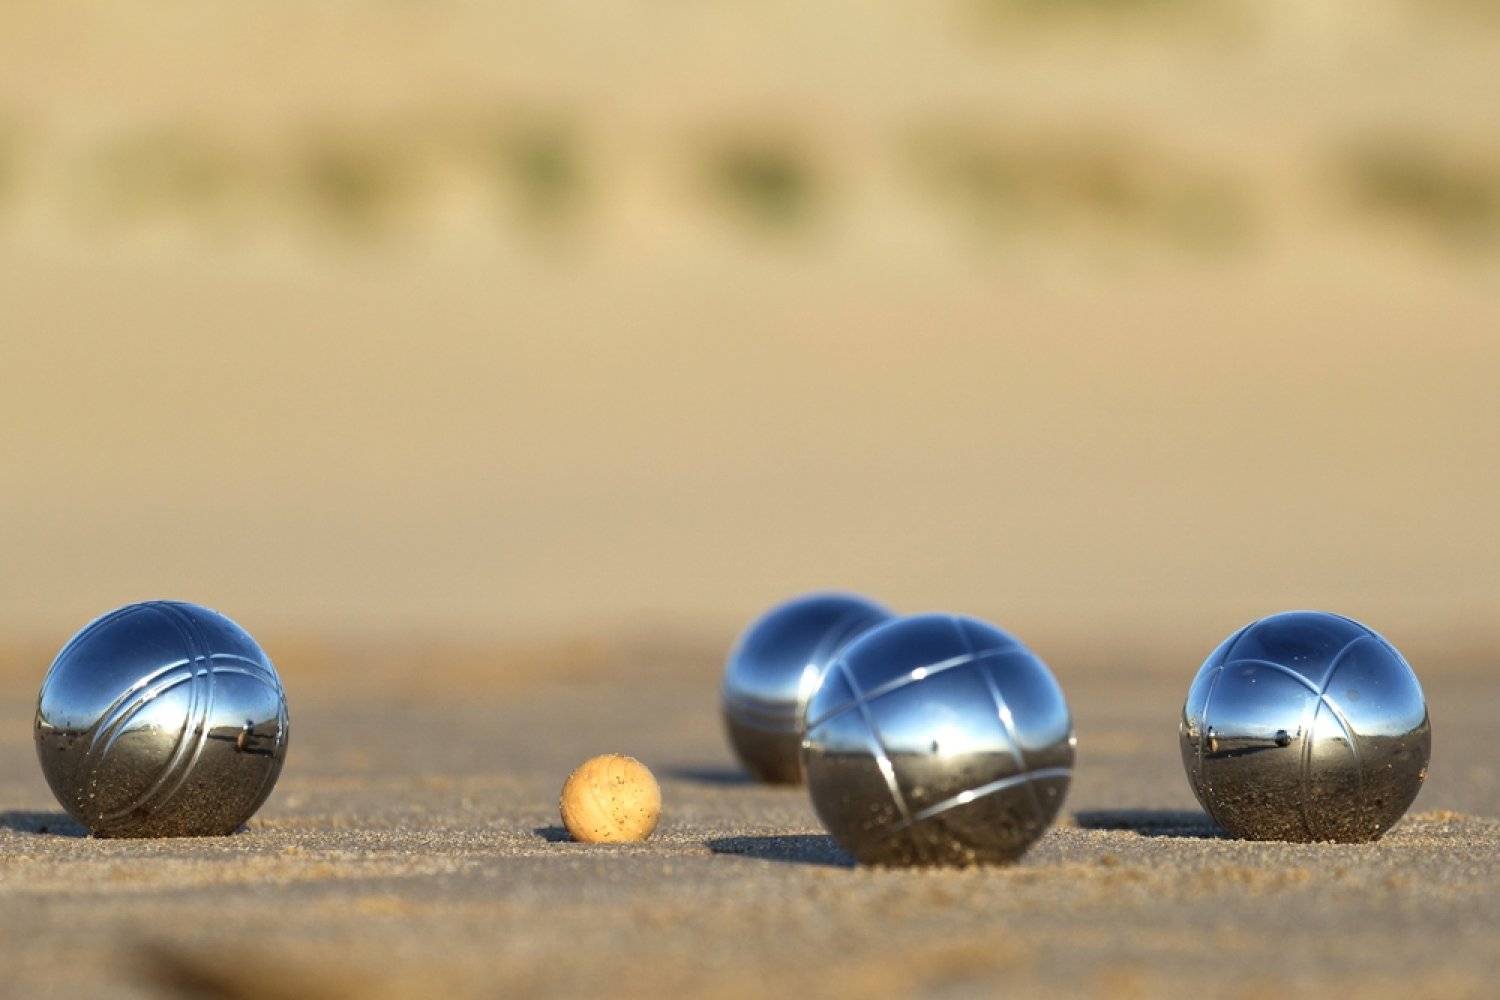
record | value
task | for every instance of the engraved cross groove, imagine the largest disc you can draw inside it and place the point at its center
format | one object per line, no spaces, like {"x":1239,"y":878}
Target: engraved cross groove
{"x":860,"y":702}
{"x":1319,"y":691}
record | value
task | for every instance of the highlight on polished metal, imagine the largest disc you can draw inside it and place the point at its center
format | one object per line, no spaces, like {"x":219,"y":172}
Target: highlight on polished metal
{"x":774,"y":667}
{"x":937,"y":740}
{"x":1305,"y":726}
{"x":161,"y":719}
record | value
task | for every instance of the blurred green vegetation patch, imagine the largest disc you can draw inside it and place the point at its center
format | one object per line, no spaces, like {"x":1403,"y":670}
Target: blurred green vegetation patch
{"x":1004,"y":183}
{"x":538,"y":162}
{"x":770,"y":181}
{"x":1450,"y":193}
{"x":354,"y":182}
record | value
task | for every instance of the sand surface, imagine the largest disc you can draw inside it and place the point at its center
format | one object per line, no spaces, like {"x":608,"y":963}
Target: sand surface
{"x":413,"y":845}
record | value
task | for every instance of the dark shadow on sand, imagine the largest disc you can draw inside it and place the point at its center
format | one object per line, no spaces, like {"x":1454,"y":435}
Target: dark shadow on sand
{"x":58,"y":824}
{"x":796,"y":848}
{"x":1152,"y":822}
{"x":710,"y":775}
{"x":553,"y":834}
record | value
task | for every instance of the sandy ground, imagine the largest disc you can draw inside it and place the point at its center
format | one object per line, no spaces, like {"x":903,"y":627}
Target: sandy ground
{"x":413,"y":845}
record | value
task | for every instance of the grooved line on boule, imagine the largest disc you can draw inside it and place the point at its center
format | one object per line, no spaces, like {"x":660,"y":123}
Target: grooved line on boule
{"x":882,"y":757}
{"x":1002,"y":712}
{"x":1339,"y":717}
{"x":206,"y":649}
{"x":123,"y":817}
{"x":178,"y":769}
{"x":835,"y":639}
{"x":118,"y":729}
{"x":179,"y":752}
{"x":1320,"y":695}
{"x":107,"y":718}
{"x":984,"y":791}
{"x":121,"y":717}
{"x":897,"y":683}
{"x":248,"y":666}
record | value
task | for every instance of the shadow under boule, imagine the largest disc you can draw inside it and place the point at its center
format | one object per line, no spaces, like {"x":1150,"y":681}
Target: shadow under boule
{"x":1152,"y":822}
{"x":58,"y":824}
{"x":710,"y":775}
{"x":794,"y":848}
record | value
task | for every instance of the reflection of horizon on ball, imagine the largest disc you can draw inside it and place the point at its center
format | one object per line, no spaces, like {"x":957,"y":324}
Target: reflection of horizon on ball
{"x":1305,"y":726}
{"x":161,"y":719}
{"x":773,"y":668}
{"x":937,"y":740}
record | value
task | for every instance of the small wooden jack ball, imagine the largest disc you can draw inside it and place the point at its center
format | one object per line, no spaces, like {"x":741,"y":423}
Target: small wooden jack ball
{"x":611,"y":799}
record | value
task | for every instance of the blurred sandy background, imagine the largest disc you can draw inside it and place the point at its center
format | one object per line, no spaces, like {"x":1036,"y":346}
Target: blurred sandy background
{"x":1111,"y":320}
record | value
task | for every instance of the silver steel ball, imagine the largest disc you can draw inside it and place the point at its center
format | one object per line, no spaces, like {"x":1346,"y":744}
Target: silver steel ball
{"x":937,"y":740}
{"x":1305,"y":726}
{"x":161,"y":719}
{"x":774,"y":667}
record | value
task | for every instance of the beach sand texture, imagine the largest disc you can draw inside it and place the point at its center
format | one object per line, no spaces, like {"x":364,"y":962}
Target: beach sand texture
{"x":413,"y":845}
{"x":495,"y":366}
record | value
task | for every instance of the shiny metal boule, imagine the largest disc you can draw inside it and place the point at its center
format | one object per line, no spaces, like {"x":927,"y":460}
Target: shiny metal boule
{"x":161,"y":719}
{"x":1305,"y":726}
{"x":937,"y":740}
{"x":774,"y":667}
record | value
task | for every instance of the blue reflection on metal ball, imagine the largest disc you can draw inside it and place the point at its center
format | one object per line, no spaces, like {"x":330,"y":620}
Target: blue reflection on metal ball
{"x":937,"y":739}
{"x":1305,"y":726}
{"x":775,"y":666}
{"x":161,"y":719}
